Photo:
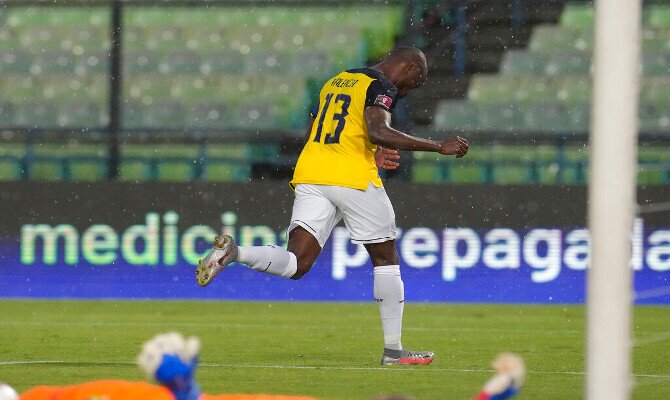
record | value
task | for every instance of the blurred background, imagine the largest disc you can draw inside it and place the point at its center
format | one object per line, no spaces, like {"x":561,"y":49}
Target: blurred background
{"x":219,"y":91}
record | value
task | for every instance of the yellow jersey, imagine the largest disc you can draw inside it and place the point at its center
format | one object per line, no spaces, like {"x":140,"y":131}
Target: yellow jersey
{"x":338,"y":151}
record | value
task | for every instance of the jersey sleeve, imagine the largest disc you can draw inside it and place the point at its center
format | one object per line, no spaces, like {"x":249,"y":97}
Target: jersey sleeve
{"x":381,"y":95}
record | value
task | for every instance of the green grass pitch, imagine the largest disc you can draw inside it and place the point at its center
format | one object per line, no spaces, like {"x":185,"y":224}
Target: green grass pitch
{"x":326,"y":350}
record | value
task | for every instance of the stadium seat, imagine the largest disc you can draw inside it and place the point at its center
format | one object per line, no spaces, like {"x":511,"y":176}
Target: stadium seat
{"x":15,"y":62}
{"x":571,"y":89}
{"x":222,"y":62}
{"x":226,"y":172}
{"x":179,"y":62}
{"x":92,"y":64}
{"x":175,"y":170}
{"x":270,"y":62}
{"x":491,"y":88}
{"x":87,"y":171}
{"x":164,"y":39}
{"x":315,"y":64}
{"x":460,"y":172}
{"x":657,"y":16}
{"x":655,"y":90}
{"x":36,"y":115}
{"x":549,"y":118}
{"x":521,"y":62}
{"x":428,"y":171}
{"x":159,"y":114}
{"x":549,"y":38}
{"x":446,"y":171}
{"x":258,"y":115}
{"x":655,"y":117}
{"x":511,"y":174}
{"x":51,"y":63}
{"x":134,"y":171}
{"x":578,"y":16}
{"x":501,"y":117}
{"x":209,"y":116}
{"x":140,"y":62}
{"x":80,"y":115}
{"x":9,"y":169}
{"x":656,"y":40}
{"x":39,"y":38}
{"x":568,"y":63}
{"x":47,"y":170}
{"x":456,"y":115}
{"x":531,"y":89}
{"x":656,"y":64}
{"x":6,"y":115}
{"x":653,"y":174}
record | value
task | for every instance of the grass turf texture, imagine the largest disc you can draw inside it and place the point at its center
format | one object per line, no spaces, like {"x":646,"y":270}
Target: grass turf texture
{"x":326,"y":350}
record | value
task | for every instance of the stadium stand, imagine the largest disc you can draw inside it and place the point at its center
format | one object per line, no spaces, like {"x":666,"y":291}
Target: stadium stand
{"x":203,"y":73}
{"x":217,"y":64}
{"x":544,"y":90}
{"x":185,"y":69}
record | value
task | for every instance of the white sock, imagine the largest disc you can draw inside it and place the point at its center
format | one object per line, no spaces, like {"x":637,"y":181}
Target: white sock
{"x":389,"y":292}
{"x":270,"y":259}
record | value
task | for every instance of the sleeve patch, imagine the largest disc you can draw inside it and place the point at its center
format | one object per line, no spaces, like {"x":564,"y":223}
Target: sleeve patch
{"x":384,"y":101}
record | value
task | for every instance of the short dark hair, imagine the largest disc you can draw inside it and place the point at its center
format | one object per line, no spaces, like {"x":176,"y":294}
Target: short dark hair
{"x":410,"y":54}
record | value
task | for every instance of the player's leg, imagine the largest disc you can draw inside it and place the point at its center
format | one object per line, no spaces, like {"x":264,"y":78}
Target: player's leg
{"x":270,"y":259}
{"x":370,"y":219}
{"x":306,"y":249}
{"x":312,"y":220}
{"x":389,"y":291}
{"x":311,"y":223}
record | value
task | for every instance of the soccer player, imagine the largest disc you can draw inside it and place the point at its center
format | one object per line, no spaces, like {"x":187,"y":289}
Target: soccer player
{"x":168,"y":358}
{"x":337,"y":178}
{"x":172,"y":360}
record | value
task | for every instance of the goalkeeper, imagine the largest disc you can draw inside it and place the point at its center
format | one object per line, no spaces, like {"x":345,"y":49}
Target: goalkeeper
{"x":171,"y":360}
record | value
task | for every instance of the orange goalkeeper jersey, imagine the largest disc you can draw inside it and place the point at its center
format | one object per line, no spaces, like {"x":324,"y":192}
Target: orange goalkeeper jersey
{"x":123,"y":390}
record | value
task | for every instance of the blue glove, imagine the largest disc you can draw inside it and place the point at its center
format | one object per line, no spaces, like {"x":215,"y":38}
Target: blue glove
{"x":178,"y":376}
{"x":172,"y":361}
{"x":508,"y":380}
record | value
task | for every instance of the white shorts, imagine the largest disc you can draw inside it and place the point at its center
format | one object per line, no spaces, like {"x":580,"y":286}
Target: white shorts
{"x":368,"y":214}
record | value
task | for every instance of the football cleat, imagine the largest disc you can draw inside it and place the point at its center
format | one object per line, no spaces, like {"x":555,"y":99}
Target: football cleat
{"x":407,"y":357}
{"x":224,"y":252}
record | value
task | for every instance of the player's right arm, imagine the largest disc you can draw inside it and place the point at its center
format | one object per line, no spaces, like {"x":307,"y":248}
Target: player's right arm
{"x":381,"y":133}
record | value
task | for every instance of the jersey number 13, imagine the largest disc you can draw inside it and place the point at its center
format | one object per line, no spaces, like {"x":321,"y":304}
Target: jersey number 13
{"x":339,"y":117}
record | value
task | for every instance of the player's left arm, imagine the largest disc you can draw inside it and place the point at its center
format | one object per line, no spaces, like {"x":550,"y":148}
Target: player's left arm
{"x":378,"y":120}
{"x":308,"y":131}
{"x":379,"y":103}
{"x":312,"y":116}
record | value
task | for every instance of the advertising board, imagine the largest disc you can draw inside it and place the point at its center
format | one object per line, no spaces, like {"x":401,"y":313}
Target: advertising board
{"x":456,"y":244}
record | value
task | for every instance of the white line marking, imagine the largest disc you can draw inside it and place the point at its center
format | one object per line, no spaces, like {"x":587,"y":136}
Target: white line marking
{"x":653,"y":338}
{"x":307,"y":327}
{"x":650,"y":381}
{"x":316,"y":367}
{"x":256,"y":326}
